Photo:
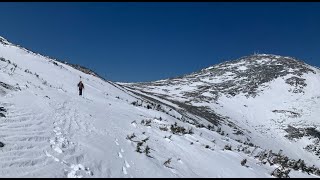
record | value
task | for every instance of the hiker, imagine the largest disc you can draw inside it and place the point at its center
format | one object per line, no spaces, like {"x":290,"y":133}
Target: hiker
{"x":81,"y":86}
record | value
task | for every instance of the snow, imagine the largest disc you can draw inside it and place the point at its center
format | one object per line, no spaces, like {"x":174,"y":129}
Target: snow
{"x":242,"y":68}
{"x":258,"y":114}
{"x":51,"y":131}
{"x":263,"y":118}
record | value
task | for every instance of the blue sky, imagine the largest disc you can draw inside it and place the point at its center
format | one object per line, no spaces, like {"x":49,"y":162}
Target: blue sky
{"x":132,"y":42}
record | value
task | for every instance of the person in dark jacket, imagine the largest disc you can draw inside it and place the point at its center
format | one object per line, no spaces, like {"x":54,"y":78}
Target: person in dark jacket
{"x":81,"y":86}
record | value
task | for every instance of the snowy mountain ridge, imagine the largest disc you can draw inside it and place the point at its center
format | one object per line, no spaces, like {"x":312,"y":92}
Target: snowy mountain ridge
{"x":76,"y":66}
{"x":260,"y":97}
{"x":136,"y":130}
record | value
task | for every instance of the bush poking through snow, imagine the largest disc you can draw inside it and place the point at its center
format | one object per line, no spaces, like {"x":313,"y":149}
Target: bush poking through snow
{"x":167,"y":163}
{"x":147,"y":151}
{"x":28,"y":71}
{"x":146,"y":122}
{"x":2,"y":110}
{"x":281,"y":172}
{"x":211,"y":128}
{"x":7,"y":86}
{"x":190,"y":131}
{"x":220,"y":131}
{"x":163,"y":128}
{"x":1,"y":144}
{"x":135,"y":103}
{"x":200,"y":126}
{"x":147,"y":148}
{"x":130,"y":137}
{"x":55,"y":63}
{"x":249,"y":143}
{"x":175,"y":129}
{"x":243,"y":162}
{"x":145,"y":140}
{"x":299,"y":165}
{"x":169,"y":137}
{"x":138,"y":149}
{"x":285,"y":163}
{"x":227,"y":147}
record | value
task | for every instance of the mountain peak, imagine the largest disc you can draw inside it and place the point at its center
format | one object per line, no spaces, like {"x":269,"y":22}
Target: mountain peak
{"x":262,"y":54}
{"x":266,"y":57}
{"x":246,"y":75}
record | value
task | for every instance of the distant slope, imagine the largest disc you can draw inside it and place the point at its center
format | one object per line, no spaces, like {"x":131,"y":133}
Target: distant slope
{"x":272,"y":101}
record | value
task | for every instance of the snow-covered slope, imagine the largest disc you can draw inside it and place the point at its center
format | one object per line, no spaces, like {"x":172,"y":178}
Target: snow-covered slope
{"x":48,"y":130}
{"x":268,"y":100}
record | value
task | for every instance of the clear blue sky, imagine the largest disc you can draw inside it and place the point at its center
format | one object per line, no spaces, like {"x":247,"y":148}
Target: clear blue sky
{"x":133,"y":42}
